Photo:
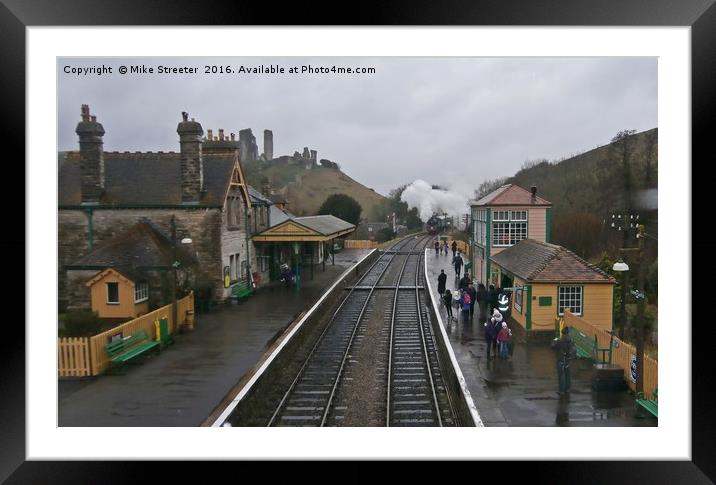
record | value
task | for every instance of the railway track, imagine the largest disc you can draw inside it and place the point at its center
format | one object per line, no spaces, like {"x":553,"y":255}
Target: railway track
{"x":375,"y":363}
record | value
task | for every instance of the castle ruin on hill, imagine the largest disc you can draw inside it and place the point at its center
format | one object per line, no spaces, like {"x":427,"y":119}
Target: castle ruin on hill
{"x":249,"y":150}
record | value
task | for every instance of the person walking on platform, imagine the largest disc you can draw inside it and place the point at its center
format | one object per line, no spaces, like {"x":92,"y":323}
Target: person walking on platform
{"x":437,"y":248}
{"x":482,"y":303}
{"x":492,"y":327}
{"x":473,"y":298}
{"x":447,"y":298}
{"x":503,"y":341}
{"x":442,"y":278}
{"x":454,"y":249}
{"x":566,"y":351}
{"x":457,"y":262}
{"x":445,"y":246}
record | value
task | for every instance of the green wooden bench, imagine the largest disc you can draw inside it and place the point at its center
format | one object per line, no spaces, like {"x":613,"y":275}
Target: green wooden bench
{"x":586,"y":346}
{"x":649,"y":405}
{"x":122,"y":351}
{"x":241,"y":290}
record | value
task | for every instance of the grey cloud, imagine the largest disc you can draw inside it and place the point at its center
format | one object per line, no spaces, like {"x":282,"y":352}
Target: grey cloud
{"x":439,"y":119}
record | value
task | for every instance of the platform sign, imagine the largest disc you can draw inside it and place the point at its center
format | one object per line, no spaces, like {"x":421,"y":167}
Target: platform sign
{"x":633,"y":368}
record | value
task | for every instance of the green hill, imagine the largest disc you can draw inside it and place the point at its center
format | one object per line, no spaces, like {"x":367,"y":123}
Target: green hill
{"x":307,"y":189}
{"x":586,"y":189}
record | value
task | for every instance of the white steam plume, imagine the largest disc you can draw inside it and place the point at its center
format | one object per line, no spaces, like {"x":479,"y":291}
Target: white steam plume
{"x":420,"y":194}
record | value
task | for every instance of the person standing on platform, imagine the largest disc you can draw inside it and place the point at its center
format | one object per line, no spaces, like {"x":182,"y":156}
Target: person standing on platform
{"x":503,"y":341}
{"x":437,"y":248}
{"x":492,"y":327}
{"x":473,"y":298}
{"x":442,"y":278}
{"x":566,"y":351}
{"x":465,"y":301}
{"x":465,"y":281}
{"x":457,"y":262}
{"x":454,"y":249}
{"x":482,"y":303}
{"x":492,"y":298}
{"x":445,"y":246}
{"x":447,"y":298}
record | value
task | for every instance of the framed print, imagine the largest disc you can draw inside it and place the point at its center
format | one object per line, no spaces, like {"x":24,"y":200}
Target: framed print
{"x":159,"y":189}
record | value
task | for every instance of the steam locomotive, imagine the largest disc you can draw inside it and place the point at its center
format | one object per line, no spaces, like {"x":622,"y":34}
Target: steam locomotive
{"x":438,"y":223}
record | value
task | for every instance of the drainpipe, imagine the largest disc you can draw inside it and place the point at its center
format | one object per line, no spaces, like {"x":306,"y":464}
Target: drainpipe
{"x":90,"y":228}
{"x":248,"y":250}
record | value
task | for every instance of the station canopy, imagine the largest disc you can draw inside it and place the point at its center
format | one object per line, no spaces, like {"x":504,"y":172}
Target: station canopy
{"x":308,"y":228}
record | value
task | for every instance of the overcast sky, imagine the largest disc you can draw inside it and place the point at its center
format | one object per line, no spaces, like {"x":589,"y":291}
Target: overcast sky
{"x":444,"y":120}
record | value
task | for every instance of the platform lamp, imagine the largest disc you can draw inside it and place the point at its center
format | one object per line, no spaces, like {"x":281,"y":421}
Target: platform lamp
{"x":175,"y":265}
{"x":621,"y":267}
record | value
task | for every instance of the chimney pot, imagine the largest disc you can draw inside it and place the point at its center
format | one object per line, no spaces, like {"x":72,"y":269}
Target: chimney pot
{"x":184,"y":116}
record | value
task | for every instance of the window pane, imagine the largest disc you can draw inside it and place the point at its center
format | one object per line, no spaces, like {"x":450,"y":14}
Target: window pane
{"x":112,"y":292}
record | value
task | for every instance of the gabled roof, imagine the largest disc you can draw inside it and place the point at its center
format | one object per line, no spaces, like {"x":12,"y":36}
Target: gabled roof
{"x":540,"y":262}
{"x":277,"y":216}
{"x":141,"y":246}
{"x":145,"y":178}
{"x":510,"y":194}
{"x":309,"y":228}
{"x":126,"y":273}
{"x":325,"y":224}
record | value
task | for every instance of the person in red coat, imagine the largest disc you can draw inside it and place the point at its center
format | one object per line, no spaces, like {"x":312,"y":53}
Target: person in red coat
{"x":503,"y":341}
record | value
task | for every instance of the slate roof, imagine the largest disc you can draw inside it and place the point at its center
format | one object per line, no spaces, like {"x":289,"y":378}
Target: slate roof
{"x":539,"y":262}
{"x":325,"y":224}
{"x":257,"y":198}
{"x":142,"y":245}
{"x":277,"y":216}
{"x":145,"y":178}
{"x":278,"y":199}
{"x":510,"y":194}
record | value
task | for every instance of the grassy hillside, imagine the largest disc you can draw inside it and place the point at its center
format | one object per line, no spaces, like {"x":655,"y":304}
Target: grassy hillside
{"x":307,"y":189}
{"x":579,"y":184}
{"x":586,"y":189}
{"x":307,"y":193}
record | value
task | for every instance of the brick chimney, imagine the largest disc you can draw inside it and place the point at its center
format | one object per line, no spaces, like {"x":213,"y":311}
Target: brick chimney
{"x":533,"y":189}
{"x":192,"y":169}
{"x":266,"y":187}
{"x":91,"y":156}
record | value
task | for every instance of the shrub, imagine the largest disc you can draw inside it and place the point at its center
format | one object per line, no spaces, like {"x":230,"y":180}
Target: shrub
{"x":82,"y":323}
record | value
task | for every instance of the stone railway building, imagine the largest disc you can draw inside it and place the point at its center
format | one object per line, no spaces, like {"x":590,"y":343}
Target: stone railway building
{"x":128,"y":200}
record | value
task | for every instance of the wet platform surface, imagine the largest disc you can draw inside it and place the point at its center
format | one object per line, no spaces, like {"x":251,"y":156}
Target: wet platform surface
{"x":183,"y":385}
{"x":522,"y":391}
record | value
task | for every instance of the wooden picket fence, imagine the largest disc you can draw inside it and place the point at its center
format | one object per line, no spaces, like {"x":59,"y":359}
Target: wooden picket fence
{"x":93,"y":360}
{"x":621,"y":353}
{"x":73,"y":357}
{"x":359,"y":244}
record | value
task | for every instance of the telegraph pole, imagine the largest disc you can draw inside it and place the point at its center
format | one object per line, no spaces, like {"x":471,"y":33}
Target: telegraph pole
{"x":624,"y":223}
{"x":641,"y":300}
{"x":174,"y":274}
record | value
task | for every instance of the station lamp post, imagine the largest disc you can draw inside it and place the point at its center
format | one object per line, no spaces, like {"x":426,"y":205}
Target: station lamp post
{"x":175,"y":265}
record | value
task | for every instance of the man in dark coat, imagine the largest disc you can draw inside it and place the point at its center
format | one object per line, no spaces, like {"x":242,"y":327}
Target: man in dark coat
{"x":482,"y":297}
{"x":464,"y":282}
{"x":565,"y":351}
{"x":473,"y":297}
{"x":442,"y":278}
{"x":492,"y":298}
{"x":457,"y":262}
{"x":454,"y":249}
{"x":437,"y":248}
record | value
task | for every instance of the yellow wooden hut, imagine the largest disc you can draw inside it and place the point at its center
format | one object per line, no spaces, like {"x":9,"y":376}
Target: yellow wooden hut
{"x":546,"y":279}
{"x":118,"y":294}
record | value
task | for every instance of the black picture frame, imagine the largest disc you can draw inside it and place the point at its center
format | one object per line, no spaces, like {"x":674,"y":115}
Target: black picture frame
{"x":16,"y":15}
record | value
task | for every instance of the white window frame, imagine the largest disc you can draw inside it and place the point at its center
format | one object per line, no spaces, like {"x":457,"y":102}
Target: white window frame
{"x":107,"y":286}
{"x":141,"y":289}
{"x":570,"y":298}
{"x":513,"y":223}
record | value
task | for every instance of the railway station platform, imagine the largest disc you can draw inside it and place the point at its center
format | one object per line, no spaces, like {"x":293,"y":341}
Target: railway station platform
{"x":522,"y":391}
{"x":183,"y":385}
